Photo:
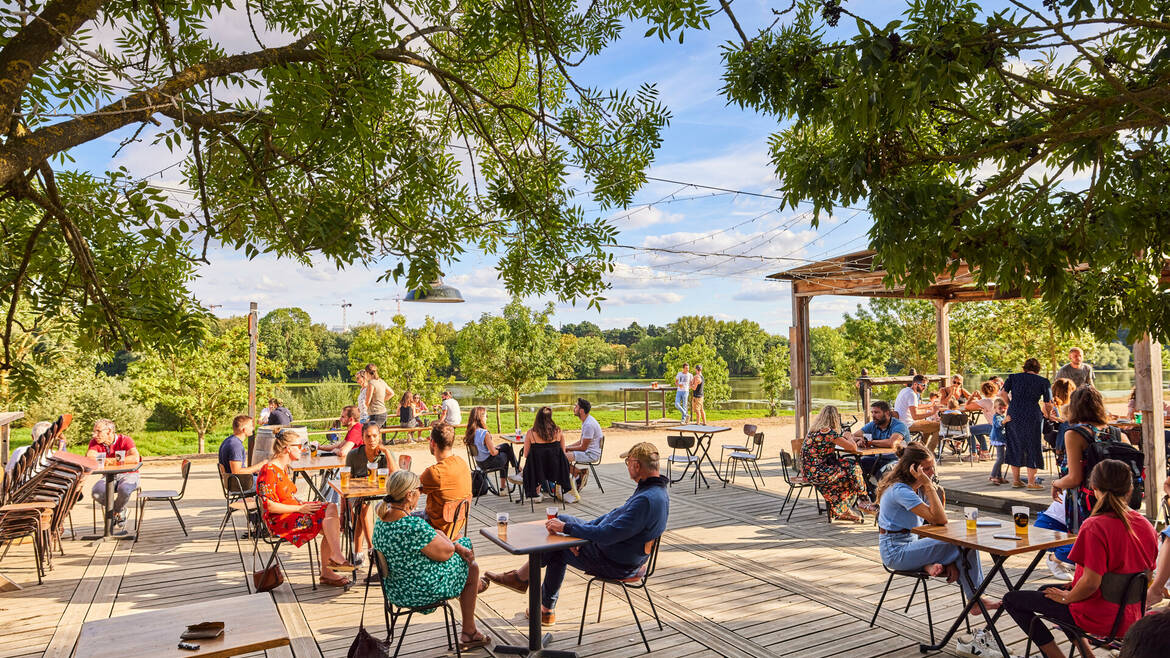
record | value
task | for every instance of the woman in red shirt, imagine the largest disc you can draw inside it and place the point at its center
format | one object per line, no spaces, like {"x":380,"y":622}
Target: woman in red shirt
{"x":295,"y":521}
{"x":1113,"y":540}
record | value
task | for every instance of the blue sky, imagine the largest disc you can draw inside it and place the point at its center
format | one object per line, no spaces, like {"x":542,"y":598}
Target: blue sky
{"x":708,"y":142}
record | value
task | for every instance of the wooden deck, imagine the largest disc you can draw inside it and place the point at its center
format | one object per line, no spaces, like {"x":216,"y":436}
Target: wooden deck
{"x":734,"y":579}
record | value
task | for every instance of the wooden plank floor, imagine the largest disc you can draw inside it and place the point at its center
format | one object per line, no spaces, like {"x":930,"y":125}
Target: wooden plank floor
{"x":734,"y":579}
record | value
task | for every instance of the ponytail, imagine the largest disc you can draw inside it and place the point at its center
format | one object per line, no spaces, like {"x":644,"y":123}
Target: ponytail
{"x":1114,"y":481}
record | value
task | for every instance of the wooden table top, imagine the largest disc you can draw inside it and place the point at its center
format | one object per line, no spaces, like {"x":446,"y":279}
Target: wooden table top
{"x":321,"y":462}
{"x":251,"y":623}
{"x":513,"y":439}
{"x":114,"y":470}
{"x":87,"y":463}
{"x":699,"y":429}
{"x":358,"y":488}
{"x":530,"y":537}
{"x":650,"y":389}
{"x":982,"y":539}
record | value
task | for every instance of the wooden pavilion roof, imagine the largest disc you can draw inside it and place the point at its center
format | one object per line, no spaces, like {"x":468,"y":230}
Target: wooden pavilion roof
{"x":858,"y":274}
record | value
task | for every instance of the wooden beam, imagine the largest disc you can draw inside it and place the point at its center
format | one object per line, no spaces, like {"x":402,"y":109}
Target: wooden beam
{"x":803,"y":364}
{"x":253,"y":341}
{"x":1147,"y":363}
{"x":942,"y":329}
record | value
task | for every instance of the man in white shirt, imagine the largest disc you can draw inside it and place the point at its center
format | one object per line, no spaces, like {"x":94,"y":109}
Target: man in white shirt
{"x":682,"y":382}
{"x":588,"y":449}
{"x":449,"y":411}
{"x":908,"y":410}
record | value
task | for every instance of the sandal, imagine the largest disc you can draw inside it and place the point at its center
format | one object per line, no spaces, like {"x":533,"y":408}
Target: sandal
{"x":483,"y":584}
{"x":474,"y":642}
{"x":850,"y":517}
{"x":1016,"y":484}
{"x":1034,"y":487}
{"x":341,"y":566}
{"x":341,"y":581}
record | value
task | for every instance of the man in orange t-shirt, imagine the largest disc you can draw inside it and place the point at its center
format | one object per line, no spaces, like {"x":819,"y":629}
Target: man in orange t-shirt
{"x":448,"y":480}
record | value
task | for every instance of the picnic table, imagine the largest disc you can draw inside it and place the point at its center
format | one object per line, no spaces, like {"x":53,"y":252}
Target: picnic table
{"x":646,"y":391}
{"x":532,"y":539}
{"x":251,"y":623}
{"x":1037,"y":540}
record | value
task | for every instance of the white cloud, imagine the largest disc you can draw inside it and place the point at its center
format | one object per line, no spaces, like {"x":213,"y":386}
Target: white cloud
{"x":645,"y":298}
{"x":643,"y":216}
{"x":769,"y":290}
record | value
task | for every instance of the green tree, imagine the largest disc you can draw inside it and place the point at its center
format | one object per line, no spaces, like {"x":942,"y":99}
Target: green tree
{"x":628,"y":336}
{"x":742,"y":344}
{"x":716,"y":387}
{"x":689,"y":327}
{"x":287,"y":336}
{"x":356,"y":130}
{"x":776,"y":376}
{"x":1110,"y":356}
{"x":512,"y":355}
{"x":332,"y":351}
{"x":1028,"y":142}
{"x":1035,"y":333}
{"x":206,"y":385}
{"x":408,"y":359}
{"x":566,"y":356}
{"x":593,"y":354}
{"x":581,"y":329}
{"x":72,"y":384}
{"x":646,"y":356}
{"x":826,"y":350}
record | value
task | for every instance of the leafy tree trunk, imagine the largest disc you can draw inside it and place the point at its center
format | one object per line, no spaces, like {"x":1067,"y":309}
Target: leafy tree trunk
{"x":200,"y":432}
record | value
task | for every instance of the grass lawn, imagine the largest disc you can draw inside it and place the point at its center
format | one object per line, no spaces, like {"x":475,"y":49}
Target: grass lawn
{"x":154,"y":443}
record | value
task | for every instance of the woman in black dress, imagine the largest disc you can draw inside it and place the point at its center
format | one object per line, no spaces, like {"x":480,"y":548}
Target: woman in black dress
{"x":1024,"y":391}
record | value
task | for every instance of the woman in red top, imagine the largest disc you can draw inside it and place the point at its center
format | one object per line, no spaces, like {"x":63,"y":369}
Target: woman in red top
{"x":1113,"y":540}
{"x":295,"y":521}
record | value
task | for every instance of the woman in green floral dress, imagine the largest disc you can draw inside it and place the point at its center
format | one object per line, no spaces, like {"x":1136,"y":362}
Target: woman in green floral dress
{"x":425,"y":566}
{"x":838,"y":481}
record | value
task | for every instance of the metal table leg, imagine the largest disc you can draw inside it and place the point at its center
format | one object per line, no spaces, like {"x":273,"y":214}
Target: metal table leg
{"x":536,"y":637}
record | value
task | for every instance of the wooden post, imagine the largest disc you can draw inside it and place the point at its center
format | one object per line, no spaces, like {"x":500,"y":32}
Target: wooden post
{"x":1147,"y":362}
{"x":942,"y":328}
{"x":253,"y":342}
{"x":800,"y":363}
{"x":6,"y":419}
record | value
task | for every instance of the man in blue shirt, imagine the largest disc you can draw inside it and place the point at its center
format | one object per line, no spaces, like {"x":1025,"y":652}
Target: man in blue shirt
{"x":618,"y":538}
{"x":232,"y":455}
{"x":885,"y":431}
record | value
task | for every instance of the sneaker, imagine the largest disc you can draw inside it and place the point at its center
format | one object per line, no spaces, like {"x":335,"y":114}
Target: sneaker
{"x":516,"y":479}
{"x":982,"y":645}
{"x":583,"y":479}
{"x":574,"y":497}
{"x":1059,"y":570}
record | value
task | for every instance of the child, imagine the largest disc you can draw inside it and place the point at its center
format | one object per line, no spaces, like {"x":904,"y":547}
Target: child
{"x":996,"y":440}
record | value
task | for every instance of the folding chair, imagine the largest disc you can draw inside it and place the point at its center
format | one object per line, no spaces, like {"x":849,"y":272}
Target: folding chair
{"x":168,"y":495}
{"x":742,"y":446}
{"x":749,"y":459}
{"x":797,"y":483}
{"x":393,"y":611}
{"x":501,"y":483}
{"x":954,"y":433}
{"x":264,"y":533}
{"x":235,"y":488}
{"x":455,"y":514}
{"x":637,"y":581}
{"x":1121,"y":589}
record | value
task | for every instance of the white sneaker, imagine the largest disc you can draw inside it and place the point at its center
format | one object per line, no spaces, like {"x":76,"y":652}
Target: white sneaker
{"x":516,"y":479}
{"x":1060,"y":570}
{"x":574,"y":497}
{"x":982,"y":645}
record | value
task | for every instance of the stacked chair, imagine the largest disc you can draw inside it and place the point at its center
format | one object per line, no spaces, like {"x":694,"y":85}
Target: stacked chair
{"x":38,"y":495}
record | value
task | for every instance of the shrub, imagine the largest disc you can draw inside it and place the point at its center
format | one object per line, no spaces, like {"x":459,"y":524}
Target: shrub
{"x":326,"y":398}
{"x":88,"y":395}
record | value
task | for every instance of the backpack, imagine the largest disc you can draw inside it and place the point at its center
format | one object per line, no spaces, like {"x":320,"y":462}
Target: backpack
{"x":479,"y":483}
{"x":1103,"y":444}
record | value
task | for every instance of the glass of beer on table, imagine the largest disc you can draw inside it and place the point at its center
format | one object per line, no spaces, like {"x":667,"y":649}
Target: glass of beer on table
{"x":121,"y":455}
{"x":1020,"y":518}
{"x":344,"y":475}
{"x":383,"y":473}
{"x":550,"y":512}
{"x":313,"y":449}
{"x":502,"y":525}
{"x":972,"y":516}
{"x":372,"y":473}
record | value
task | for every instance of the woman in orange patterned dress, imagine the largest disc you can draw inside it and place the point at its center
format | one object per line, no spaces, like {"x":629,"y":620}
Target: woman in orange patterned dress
{"x":295,"y":521}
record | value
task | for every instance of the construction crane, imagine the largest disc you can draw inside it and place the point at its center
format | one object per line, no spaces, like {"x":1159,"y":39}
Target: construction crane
{"x":372,"y":314}
{"x":344,"y":305}
{"x":397,"y":299}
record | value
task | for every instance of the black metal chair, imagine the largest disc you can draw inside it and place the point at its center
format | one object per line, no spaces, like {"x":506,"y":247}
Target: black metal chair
{"x":263,"y":533}
{"x":954,"y":432}
{"x":169,"y":495}
{"x":1120,"y":589}
{"x":638,"y":581}
{"x":742,"y":446}
{"x":501,"y":482}
{"x":393,"y":611}
{"x":750,"y":460}
{"x":688,"y":458}
{"x":920,"y":577}
{"x":594,"y":463}
{"x":235,"y":487}
{"x":797,"y":483}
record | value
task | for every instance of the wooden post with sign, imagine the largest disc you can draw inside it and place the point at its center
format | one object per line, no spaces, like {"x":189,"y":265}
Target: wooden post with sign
{"x":253,"y":342}
{"x":942,"y":328}
{"x":1147,"y":363}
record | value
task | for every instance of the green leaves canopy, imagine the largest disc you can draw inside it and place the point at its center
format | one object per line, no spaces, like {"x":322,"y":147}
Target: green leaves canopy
{"x":349,"y":132}
{"x":699,"y":352}
{"x":408,"y":359}
{"x":1029,"y":142}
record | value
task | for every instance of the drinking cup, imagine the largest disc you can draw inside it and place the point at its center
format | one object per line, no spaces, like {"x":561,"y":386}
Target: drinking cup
{"x":972,"y":516}
{"x":313,"y":449}
{"x":868,"y":436}
{"x":344,"y":475}
{"x":1020,"y":518}
{"x":502,"y":525}
{"x":121,"y":455}
{"x":372,"y":473}
{"x":550,"y":512}
{"x":383,"y":473}
{"x":1137,"y":418}
{"x":101,"y":461}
